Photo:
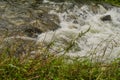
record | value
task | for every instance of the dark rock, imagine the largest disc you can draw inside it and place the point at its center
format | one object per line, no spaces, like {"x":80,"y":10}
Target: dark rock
{"x":32,"y":31}
{"x":25,"y":30}
{"x":57,"y":0}
{"x":45,"y":24}
{"x":20,"y":19}
{"x":49,"y":18}
{"x":107,"y":6}
{"x":16,"y":46}
{"x":106,"y":18}
{"x":75,"y":21}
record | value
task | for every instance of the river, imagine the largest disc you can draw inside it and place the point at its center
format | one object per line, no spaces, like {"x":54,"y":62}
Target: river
{"x":101,"y":42}
{"x":72,"y":29}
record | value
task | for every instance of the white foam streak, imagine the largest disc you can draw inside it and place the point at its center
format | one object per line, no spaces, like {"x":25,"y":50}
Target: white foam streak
{"x":102,"y":35}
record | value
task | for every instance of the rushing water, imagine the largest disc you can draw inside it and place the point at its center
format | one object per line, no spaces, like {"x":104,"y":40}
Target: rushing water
{"x":101,"y":42}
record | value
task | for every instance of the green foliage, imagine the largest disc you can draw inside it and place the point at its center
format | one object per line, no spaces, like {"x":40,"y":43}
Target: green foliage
{"x":44,"y":65}
{"x":57,"y":68}
{"x":113,"y":2}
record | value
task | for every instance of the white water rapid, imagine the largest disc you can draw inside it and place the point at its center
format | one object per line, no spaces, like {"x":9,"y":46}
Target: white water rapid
{"x":101,"y":42}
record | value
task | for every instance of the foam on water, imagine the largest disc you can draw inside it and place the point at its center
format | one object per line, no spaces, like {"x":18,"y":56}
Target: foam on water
{"x":101,"y":42}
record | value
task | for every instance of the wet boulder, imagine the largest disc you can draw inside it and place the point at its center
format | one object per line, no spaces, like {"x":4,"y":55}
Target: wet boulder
{"x":17,"y":46}
{"x":30,"y":31}
{"x":44,"y":24}
{"x":23,"y":30}
{"x":106,"y":18}
{"x":58,"y":0}
{"x":26,"y":21}
{"x":107,"y":6}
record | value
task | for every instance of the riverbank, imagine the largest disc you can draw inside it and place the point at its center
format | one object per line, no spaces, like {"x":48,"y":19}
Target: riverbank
{"x":52,"y":67}
{"x":59,"y":41}
{"x":112,"y":2}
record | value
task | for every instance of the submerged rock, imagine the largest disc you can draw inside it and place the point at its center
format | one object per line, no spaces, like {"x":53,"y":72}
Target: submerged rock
{"x":106,"y":18}
{"x":58,"y":0}
{"x":16,"y":46}
{"x":30,"y":31}
{"x":107,"y":6}
{"x":44,"y":25}
{"x":25,"y":20}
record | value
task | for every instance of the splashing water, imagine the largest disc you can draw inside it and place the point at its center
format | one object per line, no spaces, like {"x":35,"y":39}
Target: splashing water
{"x":101,"y":42}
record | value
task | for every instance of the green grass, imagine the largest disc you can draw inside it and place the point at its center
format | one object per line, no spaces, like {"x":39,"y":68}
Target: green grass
{"x":56,"y":68}
{"x":112,"y":2}
{"x":44,"y":65}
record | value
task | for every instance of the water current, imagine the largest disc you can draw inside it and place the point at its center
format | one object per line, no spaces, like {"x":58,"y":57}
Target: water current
{"x":82,"y":25}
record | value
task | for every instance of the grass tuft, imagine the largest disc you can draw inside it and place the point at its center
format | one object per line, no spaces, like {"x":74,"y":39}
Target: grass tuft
{"x":44,"y":65}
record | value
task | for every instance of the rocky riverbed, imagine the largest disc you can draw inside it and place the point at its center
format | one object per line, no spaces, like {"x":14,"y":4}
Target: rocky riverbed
{"x":25,"y":19}
{"x":92,"y":29}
